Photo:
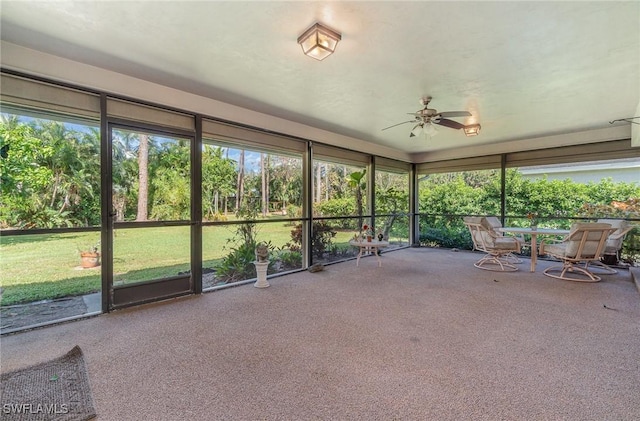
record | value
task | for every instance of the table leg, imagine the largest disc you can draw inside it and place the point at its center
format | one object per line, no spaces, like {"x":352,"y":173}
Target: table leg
{"x":534,"y":251}
{"x":375,"y":251}
{"x":359,"y":254}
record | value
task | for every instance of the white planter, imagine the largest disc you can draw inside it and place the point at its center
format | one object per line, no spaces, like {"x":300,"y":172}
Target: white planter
{"x":261,"y":271}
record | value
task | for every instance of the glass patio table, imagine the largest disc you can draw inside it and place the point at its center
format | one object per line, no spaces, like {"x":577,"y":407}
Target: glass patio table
{"x":534,"y":232}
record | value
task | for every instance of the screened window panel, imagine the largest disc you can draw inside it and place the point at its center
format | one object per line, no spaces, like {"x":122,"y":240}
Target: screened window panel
{"x":21,"y":93}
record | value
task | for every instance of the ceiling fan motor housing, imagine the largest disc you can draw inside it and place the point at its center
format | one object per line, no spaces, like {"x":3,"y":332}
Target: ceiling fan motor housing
{"x":426,"y":114}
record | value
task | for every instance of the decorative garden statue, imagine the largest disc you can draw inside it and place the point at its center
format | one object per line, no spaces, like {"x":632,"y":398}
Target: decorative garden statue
{"x":262,"y":252}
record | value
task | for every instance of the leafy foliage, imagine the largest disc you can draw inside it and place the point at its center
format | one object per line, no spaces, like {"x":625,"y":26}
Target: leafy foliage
{"x":50,"y":177}
{"x":288,"y":259}
{"x":321,"y":238}
{"x":238,"y":264}
{"x":444,"y":198}
{"x":446,"y":237}
{"x":218,"y":180}
{"x":337,"y":207}
{"x":47,"y":173}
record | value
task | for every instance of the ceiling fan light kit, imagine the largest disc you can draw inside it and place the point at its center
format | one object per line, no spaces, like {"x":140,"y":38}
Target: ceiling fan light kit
{"x":427,"y":129}
{"x":430,"y":130}
{"x":427,"y":118}
{"x":319,"y":42}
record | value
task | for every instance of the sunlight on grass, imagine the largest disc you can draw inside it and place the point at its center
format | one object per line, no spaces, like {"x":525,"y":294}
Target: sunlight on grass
{"x":144,"y":254}
{"x":46,"y":266}
{"x":37,"y":267}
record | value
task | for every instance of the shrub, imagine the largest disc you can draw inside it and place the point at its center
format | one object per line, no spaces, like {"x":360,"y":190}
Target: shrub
{"x":238,"y":265}
{"x":320,"y":239}
{"x":447,"y":237}
{"x":289,"y":260}
{"x":294,"y":211}
{"x":337,"y":207}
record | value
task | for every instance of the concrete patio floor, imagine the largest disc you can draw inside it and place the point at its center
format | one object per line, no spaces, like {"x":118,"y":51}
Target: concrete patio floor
{"x":425,"y":336}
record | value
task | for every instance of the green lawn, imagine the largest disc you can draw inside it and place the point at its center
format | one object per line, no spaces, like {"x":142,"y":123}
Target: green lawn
{"x":38,"y":267}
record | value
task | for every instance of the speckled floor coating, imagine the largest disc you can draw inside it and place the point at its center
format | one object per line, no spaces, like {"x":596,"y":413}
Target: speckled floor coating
{"x":425,"y":337}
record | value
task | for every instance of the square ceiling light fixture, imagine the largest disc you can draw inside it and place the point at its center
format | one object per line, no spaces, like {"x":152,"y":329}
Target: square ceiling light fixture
{"x":472,"y":130}
{"x":319,"y":42}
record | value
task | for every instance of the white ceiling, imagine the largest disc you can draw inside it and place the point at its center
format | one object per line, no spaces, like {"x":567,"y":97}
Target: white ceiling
{"x":523,"y":69}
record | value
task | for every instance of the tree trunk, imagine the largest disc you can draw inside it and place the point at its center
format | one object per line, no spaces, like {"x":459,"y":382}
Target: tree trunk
{"x":119,"y":202}
{"x":240,"y":182}
{"x":318,"y":182}
{"x":326,"y":184}
{"x":359,"y":206}
{"x":387,"y":226}
{"x":268,"y":180}
{"x":55,"y":190}
{"x":143,"y":178}
{"x":265,"y":196}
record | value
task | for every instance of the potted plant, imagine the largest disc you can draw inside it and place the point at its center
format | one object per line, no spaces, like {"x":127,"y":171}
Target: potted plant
{"x":90,"y":257}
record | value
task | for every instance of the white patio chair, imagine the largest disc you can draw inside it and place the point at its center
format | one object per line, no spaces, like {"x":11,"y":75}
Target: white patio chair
{"x":584,"y":244}
{"x":496,"y":225}
{"x":496,"y":246}
{"x":614,"y":243}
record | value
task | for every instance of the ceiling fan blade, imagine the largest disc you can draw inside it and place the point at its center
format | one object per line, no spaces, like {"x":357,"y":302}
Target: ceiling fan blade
{"x":455,"y":114}
{"x":404,"y":122}
{"x":449,"y":123}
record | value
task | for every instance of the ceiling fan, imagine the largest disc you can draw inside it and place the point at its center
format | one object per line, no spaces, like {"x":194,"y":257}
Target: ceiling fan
{"x":427,"y":117}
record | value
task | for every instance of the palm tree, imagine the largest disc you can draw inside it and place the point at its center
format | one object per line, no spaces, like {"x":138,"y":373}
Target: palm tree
{"x":357,"y":181}
{"x":124,"y":145}
{"x":72,"y":165}
{"x":143,"y":178}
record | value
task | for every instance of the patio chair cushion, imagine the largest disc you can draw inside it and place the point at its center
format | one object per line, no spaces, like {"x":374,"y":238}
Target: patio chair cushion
{"x":497,"y":247}
{"x":496,"y":225}
{"x":584,"y":244}
{"x":506,"y":243}
{"x":485,"y":237}
{"x":614,"y":242}
{"x":482,"y":236}
{"x":572,"y":245}
{"x":494,"y":222}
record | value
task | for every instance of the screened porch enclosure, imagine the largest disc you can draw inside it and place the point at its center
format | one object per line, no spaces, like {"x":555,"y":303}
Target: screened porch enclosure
{"x":175,"y":203}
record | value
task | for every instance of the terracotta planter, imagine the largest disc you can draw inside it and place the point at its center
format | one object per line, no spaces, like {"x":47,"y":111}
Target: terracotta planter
{"x":89,"y":260}
{"x":369,"y":238}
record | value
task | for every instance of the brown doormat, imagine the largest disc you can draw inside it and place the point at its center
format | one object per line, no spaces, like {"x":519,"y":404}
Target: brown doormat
{"x":54,"y":390}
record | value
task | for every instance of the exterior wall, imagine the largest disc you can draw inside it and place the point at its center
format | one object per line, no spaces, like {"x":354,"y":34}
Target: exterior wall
{"x":627,"y":171}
